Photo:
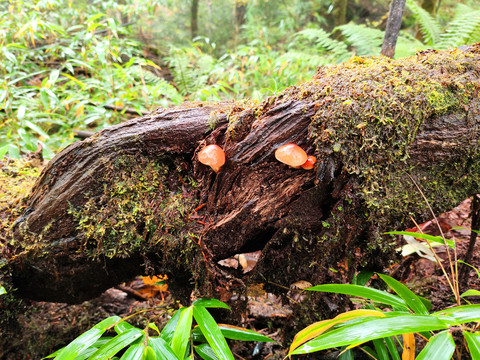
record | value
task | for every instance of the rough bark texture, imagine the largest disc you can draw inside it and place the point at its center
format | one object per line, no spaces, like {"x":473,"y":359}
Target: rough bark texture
{"x":131,"y":197}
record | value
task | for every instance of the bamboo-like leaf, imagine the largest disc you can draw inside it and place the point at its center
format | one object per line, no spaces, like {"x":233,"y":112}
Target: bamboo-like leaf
{"x":116,"y":344}
{"x":412,"y":300}
{"x":182,"y":332}
{"x":88,"y":338}
{"x":372,"y":329}
{"x":392,"y":348}
{"x":234,"y":333}
{"x":380,"y":349}
{"x":408,"y":347}
{"x":210,"y":303}
{"x":437,"y":239}
{"x":212,"y":332}
{"x":169,"y":329}
{"x":206,"y":352}
{"x":459,"y":314}
{"x":471,"y":292}
{"x":320,"y":327}
{"x":162,"y":349}
{"x":439,"y":347}
{"x":134,"y":352}
{"x":473,"y":342}
{"x":362,"y":291}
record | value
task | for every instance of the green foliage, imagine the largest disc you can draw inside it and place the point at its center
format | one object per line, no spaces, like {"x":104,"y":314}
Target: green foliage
{"x":177,"y":340}
{"x":391,"y":315}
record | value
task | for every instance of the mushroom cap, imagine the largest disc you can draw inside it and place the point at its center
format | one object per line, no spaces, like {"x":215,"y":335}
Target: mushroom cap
{"x":310,"y":163}
{"x":213,"y":156}
{"x":291,"y":154}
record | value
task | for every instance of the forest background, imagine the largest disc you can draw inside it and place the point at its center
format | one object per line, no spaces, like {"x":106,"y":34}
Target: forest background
{"x":85,"y":65}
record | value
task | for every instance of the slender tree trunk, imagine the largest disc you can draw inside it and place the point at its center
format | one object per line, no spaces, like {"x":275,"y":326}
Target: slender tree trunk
{"x":194,"y":19}
{"x":394,"y":23}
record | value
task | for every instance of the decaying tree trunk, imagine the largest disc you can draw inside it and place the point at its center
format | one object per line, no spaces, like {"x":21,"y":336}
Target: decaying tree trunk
{"x":134,"y":197}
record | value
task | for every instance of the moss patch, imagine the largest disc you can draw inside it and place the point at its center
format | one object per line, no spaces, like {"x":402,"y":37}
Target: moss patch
{"x":144,"y":203}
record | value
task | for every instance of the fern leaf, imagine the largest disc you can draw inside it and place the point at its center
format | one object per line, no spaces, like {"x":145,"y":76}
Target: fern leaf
{"x":429,"y":26}
{"x":464,"y":25}
{"x":338,"y":48}
{"x":367,"y":41}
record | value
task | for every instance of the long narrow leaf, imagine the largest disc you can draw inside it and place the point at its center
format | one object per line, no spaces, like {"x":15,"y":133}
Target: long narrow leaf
{"x":439,"y":347}
{"x":212,"y":333}
{"x":318,"y":328}
{"x":234,"y":333}
{"x":88,"y":338}
{"x":210,"y":303}
{"x":169,"y":329}
{"x":162,"y":349}
{"x":182,"y":332}
{"x":473,"y":342}
{"x":362,"y":291}
{"x":206,"y":352}
{"x":372,"y":329}
{"x":459,"y":314}
{"x":412,"y":300}
{"x":116,"y":344}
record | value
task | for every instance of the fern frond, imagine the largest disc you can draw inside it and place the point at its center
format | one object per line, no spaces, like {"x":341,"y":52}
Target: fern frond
{"x":464,"y":26}
{"x":429,"y":26}
{"x":367,"y":41}
{"x":320,"y":37}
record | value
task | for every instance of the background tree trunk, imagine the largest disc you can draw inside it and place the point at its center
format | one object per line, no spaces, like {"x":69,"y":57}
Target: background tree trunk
{"x":134,"y":199}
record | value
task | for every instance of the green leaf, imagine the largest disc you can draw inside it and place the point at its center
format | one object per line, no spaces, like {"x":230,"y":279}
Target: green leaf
{"x":116,"y":344}
{"x":439,"y":347}
{"x":134,"y":352}
{"x":182,"y":332}
{"x":206,"y":352}
{"x":87,"y":339}
{"x":372,"y":329}
{"x":412,"y":300}
{"x":232,"y":332}
{"x":380,"y":349}
{"x":210,"y":303}
{"x":212,"y":332}
{"x":169,"y":328}
{"x":437,"y":239}
{"x":473,"y":342}
{"x":459,"y":314}
{"x":362,"y":291}
{"x":471,"y":292}
{"x":162,"y":349}
{"x":123,"y":326}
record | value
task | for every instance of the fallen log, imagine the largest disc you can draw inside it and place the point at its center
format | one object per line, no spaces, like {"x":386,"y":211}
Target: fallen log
{"x":133,"y":198}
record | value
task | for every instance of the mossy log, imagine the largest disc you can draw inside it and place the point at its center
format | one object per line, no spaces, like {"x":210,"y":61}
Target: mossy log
{"x":133,"y":199}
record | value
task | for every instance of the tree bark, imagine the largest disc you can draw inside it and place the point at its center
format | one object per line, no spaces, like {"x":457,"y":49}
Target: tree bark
{"x":394,"y":23}
{"x":134,"y":199}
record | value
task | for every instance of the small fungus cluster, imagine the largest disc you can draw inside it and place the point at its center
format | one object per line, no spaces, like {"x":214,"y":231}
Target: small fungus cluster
{"x":294,"y":156}
{"x":213,"y":156}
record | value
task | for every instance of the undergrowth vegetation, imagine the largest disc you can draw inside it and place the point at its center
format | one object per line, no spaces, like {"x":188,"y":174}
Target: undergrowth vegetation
{"x":69,"y":66}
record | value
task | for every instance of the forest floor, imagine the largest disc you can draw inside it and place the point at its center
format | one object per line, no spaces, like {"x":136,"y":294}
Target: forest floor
{"x":43,"y":327}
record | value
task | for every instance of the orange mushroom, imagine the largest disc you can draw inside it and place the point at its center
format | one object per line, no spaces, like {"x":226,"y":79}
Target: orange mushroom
{"x":213,"y":156}
{"x":291,"y":154}
{"x":310,"y":163}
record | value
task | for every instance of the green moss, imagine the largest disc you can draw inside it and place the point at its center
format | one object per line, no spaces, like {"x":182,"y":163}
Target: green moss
{"x":142,"y":205}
